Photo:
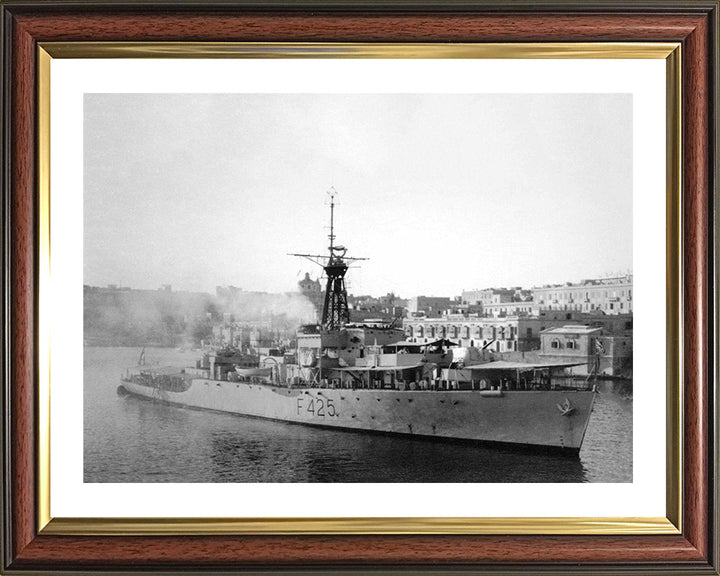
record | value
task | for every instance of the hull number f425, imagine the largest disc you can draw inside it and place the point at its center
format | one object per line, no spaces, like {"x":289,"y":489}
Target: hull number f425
{"x":319,"y":407}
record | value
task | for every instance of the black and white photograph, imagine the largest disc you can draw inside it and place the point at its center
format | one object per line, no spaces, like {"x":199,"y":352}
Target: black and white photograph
{"x":357,"y":288}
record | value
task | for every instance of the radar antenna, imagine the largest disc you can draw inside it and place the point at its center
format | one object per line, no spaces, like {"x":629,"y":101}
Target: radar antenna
{"x":335,"y":307}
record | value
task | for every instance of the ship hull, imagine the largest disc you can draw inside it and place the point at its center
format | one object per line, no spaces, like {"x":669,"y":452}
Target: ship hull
{"x":542,"y":418}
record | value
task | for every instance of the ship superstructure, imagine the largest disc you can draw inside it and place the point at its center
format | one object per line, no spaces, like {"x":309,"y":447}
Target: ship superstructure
{"x":367,"y":377}
{"x":335,"y":343}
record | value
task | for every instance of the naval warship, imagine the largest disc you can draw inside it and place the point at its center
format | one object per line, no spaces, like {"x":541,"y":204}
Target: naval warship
{"x":367,"y":377}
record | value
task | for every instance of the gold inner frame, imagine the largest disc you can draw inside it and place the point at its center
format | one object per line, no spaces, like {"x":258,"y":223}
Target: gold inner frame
{"x":670,"y":524}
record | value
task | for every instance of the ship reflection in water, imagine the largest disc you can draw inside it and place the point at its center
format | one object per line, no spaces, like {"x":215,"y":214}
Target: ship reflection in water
{"x":137,"y":440}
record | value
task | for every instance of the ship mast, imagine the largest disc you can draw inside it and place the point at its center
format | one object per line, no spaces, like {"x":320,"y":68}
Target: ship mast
{"x":335,"y":312}
{"x":332,"y":193}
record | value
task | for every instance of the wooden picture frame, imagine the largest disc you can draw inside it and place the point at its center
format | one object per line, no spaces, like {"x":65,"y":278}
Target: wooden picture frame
{"x":32,"y":545}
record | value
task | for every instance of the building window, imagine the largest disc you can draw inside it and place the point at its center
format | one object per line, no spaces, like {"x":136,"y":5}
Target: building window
{"x":555,"y":344}
{"x":571,"y":345}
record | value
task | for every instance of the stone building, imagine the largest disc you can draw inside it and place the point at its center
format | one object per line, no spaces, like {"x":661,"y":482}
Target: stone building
{"x":429,"y":306}
{"x":607,"y":295}
{"x":385,"y":307}
{"x":508,"y":333}
{"x":488,"y":296}
{"x":599,"y":351}
{"x":498,"y":302}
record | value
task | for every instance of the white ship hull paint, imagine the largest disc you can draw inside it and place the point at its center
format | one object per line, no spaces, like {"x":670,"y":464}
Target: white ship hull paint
{"x":532,"y":418}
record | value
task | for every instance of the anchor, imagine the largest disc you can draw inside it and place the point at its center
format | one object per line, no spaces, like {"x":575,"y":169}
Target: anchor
{"x":565,"y":408}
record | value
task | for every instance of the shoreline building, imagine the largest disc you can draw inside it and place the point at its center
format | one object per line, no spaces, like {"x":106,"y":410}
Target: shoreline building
{"x":365,"y":307}
{"x":507,"y":333}
{"x":508,"y":320}
{"x":606,"y":295}
{"x":499,"y":302}
{"x":601,"y":352}
{"x":430,"y":306}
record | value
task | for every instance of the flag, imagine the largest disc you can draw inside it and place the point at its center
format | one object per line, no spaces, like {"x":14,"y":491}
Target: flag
{"x":599,"y":348}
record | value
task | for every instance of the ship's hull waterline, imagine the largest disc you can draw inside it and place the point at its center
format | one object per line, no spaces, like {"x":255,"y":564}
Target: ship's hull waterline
{"x":542,"y":418}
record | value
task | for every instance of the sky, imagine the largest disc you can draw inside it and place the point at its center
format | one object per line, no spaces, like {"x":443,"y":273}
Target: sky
{"x":442,"y":192}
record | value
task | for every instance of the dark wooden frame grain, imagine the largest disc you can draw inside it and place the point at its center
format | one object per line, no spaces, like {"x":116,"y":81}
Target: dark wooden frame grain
{"x":25,"y":23}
